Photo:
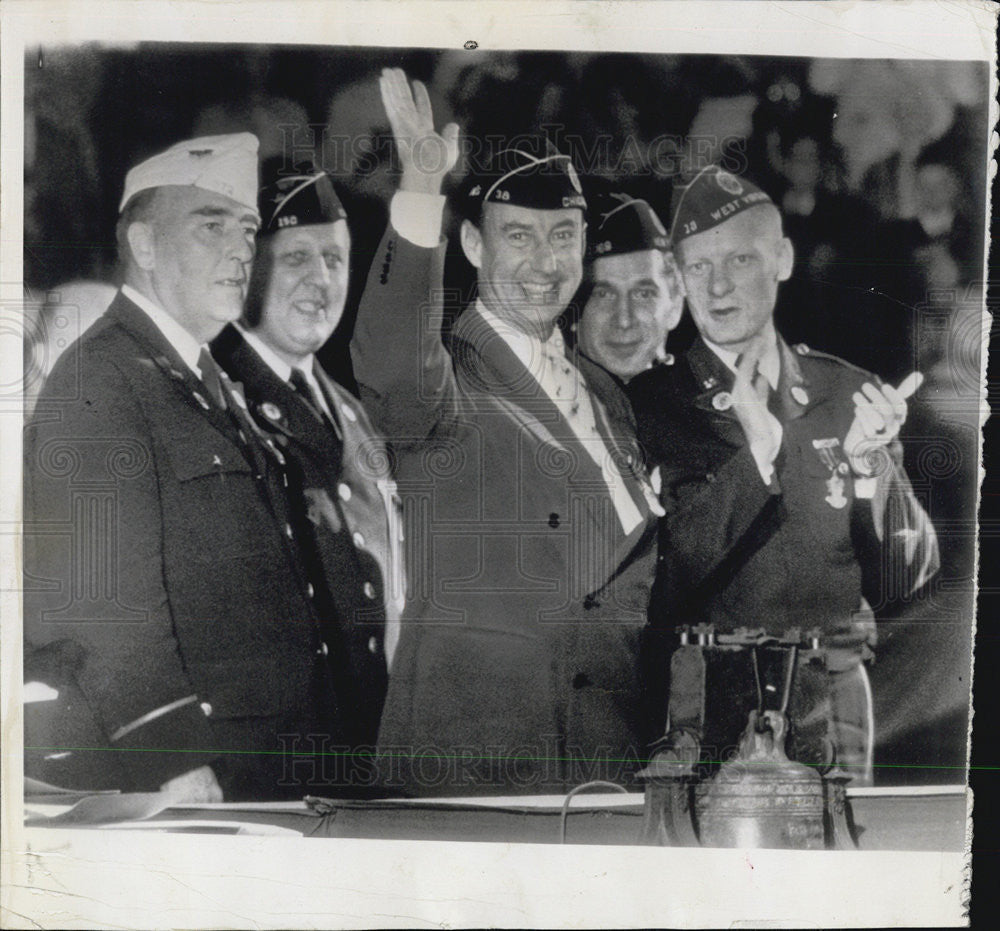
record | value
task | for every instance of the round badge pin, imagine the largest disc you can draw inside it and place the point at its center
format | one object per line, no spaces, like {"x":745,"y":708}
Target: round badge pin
{"x":345,"y":409}
{"x":270,"y":410}
{"x":722,"y":401}
{"x":799,"y":394}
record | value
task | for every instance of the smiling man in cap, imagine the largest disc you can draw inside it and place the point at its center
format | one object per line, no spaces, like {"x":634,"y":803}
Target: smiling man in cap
{"x":532,"y":528}
{"x":338,"y":467}
{"x":785,"y":494}
{"x":167,"y":608}
{"x":635,"y":297}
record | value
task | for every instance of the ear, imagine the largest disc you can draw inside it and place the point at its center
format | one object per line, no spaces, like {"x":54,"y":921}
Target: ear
{"x":472,"y":243}
{"x":786,"y":259}
{"x":141,"y":241}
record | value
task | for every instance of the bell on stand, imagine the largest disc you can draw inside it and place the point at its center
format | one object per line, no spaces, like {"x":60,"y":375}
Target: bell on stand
{"x":759,"y":798}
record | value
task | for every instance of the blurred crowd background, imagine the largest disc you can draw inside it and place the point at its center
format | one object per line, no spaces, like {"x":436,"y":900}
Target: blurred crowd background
{"x":879,"y":167}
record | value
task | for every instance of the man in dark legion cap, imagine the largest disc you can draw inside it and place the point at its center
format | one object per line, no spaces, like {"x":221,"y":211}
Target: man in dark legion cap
{"x":169,"y":622}
{"x":789,"y":515}
{"x":343,"y":493}
{"x":528,"y":515}
{"x":634,"y":297}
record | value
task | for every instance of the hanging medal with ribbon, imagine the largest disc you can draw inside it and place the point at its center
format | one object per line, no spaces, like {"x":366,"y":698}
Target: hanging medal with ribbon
{"x":827,"y":449}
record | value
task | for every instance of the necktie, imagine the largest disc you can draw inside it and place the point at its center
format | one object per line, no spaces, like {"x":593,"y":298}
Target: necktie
{"x":572,"y":397}
{"x":305,"y":391}
{"x":211,"y":378}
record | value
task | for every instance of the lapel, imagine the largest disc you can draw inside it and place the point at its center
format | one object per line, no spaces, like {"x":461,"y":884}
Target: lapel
{"x":276,"y":406}
{"x":162,"y":354}
{"x":491,"y":365}
{"x":713,"y":383}
{"x":795,"y":395}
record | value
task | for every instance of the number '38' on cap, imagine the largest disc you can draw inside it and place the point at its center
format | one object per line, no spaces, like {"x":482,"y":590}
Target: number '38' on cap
{"x":621,"y":224}
{"x":531,"y":174}
{"x":711,"y":197}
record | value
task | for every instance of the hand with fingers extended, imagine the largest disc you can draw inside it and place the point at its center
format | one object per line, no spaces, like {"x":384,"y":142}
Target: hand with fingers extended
{"x":762,"y":429}
{"x":879,"y":413}
{"x":425,"y":156}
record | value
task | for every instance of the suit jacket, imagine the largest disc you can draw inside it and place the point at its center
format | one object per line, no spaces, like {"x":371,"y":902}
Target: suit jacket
{"x":346,"y":505}
{"x":805,"y":552}
{"x":159,"y":557}
{"x":517,"y":663}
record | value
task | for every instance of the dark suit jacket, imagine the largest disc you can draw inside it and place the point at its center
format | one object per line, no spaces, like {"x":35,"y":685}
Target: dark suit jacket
{"x":355,"y":533}
{"x":157,"y":546}
{"x":517,"y":664}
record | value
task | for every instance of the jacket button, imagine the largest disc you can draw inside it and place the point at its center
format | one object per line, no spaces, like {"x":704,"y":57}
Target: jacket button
{"x":344,"y":491}
{"x":359,"y":539}
{"x":310,"y":591}
{"x":206,"y":709}
{"x":369,"y":590}
{"x":553,"y":520}
{"x":709,"y":477}
{"x":323,"y":650}
{"x":372,"y":645}
{"x":581,"y":680}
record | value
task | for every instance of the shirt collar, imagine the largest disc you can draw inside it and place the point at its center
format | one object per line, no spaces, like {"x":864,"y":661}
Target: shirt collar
{"x":530,"y":350}
{"x":273,"y":361}
{"x":186,"y":346}
{"x":280,"y":367}
{"x":769,"y":367}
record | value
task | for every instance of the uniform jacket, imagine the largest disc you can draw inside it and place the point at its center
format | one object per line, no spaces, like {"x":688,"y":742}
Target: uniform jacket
{"x":803,"y":552}
{"x":520,"y":636}
{"x":346,"y":503}
{"x":160,"y":560}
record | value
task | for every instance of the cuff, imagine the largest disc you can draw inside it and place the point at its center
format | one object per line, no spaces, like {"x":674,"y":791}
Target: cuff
{"x":864,"y":488}
{"x":417,"y":217}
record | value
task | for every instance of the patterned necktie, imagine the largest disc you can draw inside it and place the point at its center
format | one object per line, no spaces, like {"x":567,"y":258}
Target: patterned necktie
{"x":304,"y":390}
{"x":211,"y":378}
{"x":573,"y":399}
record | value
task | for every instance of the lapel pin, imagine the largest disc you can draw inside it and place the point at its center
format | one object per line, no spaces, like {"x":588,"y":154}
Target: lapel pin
{"x":200,"y":398}
{"x":799,"y":394}
{"x":270,"y":410}
{"x":216,"y":460}
{"x":709,"y":383}
{"x":722,"y":401}
{"x":346,"y":410}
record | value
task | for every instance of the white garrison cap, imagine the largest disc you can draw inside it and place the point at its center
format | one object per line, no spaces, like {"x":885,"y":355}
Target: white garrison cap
{"x":223,"y":164}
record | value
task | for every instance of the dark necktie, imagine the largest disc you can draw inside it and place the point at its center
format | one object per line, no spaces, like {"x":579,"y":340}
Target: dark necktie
{"x":305,"y":391}
{"x":211,"y":378}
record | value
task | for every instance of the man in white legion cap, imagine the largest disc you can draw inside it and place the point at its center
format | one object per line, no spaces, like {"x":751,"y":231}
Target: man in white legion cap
{"x":168,"y":618}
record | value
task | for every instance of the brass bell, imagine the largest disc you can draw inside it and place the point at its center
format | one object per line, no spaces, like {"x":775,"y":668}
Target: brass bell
{"x":760,"y":798}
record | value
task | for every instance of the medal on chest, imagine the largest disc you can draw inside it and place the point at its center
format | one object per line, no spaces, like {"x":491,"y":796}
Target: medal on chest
{"x":828,"y":448}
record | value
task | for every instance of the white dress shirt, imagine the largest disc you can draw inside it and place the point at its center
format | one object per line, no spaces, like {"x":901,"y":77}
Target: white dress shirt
{"x":283,"y":370}
{"x":187,"y":347}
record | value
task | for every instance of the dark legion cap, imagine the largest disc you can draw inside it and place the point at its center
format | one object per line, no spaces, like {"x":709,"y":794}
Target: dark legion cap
{"x":303,"y":198}
{"x":711,"y":197}
{"x":531,"y":174}
{"x":620,"y":224}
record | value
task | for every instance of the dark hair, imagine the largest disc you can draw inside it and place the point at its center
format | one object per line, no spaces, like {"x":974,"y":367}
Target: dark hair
{"x":260,"y":271}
